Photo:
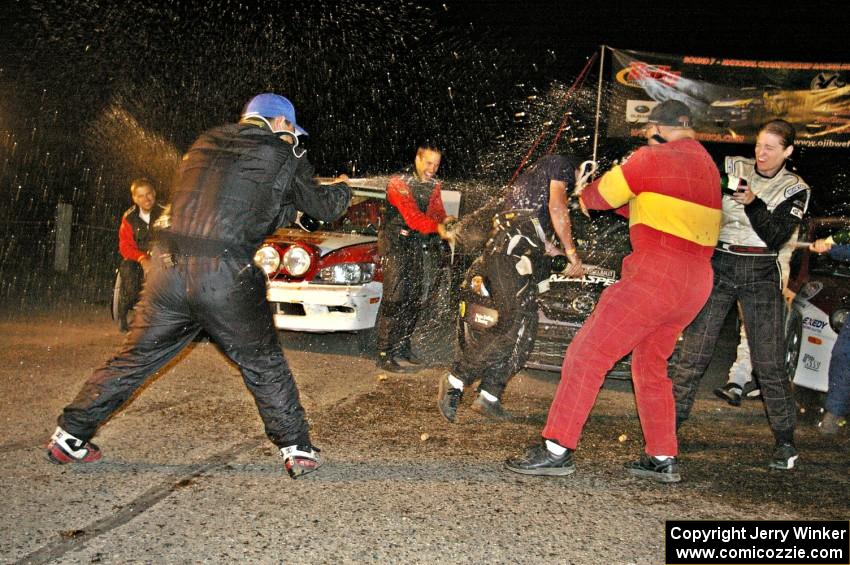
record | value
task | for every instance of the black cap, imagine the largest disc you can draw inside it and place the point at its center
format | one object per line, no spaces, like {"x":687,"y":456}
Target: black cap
{"x":671,"y":113}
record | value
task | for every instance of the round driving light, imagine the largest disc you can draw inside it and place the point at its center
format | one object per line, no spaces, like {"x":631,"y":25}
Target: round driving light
{"x":268,"y":259}
{"x":296,"y":261}
{"x":838,"y":318}
{"x":583,"y":304}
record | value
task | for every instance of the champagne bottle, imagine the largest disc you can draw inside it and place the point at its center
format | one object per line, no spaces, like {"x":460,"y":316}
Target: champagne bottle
{"x":840,"y":238}
{"x":557,"y":263}
{"x":730,"y":184}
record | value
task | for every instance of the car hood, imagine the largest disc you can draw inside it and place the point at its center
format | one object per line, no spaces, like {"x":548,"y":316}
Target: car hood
{"x":325,"y":241}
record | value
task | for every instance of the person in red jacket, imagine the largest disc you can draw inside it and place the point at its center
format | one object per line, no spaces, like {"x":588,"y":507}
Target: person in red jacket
{"x":670,"y":191}
{"x":134,"y":242}
{"x":414,"y":215}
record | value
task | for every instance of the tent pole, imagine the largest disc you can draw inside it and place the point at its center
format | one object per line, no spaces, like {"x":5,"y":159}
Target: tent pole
{"x":598,"y":103}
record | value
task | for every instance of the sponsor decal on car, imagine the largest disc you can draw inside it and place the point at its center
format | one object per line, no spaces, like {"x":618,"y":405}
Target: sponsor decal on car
{"x":814,"y":323}
{"x":592,"y":275}
{"x":810,"y":363}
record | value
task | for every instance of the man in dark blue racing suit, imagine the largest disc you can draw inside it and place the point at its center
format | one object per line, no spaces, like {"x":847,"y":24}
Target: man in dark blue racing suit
{"x":235,"y":185}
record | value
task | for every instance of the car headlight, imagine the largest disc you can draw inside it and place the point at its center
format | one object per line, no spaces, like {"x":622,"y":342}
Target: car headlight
{"x":347,"y":273}
{"x":268,"y":259}
{"x":296,"y":260}
{"x":838,"y":318}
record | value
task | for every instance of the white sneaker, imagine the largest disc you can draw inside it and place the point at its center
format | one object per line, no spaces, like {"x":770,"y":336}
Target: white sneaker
{"x":300,"y":459}
{"x":784,"y":457}
{"x":65,"y":448}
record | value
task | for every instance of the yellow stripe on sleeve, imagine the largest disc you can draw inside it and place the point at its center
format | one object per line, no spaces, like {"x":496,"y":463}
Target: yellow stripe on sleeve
{"x":688,"y":220}
{"x":614,"y":188}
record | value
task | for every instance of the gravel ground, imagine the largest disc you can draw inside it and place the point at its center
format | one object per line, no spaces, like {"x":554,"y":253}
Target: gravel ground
{"x":188,"y":477}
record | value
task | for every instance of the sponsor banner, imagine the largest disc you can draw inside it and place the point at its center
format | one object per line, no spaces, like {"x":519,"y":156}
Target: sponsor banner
{"x":731,"y":98}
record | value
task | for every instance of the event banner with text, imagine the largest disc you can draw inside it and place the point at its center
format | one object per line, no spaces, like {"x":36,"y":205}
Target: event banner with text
{"x":731,"y":98}
{"x":762,"y":542}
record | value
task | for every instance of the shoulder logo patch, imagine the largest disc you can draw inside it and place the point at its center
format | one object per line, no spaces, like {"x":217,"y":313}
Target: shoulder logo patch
{"x":792,"y":190}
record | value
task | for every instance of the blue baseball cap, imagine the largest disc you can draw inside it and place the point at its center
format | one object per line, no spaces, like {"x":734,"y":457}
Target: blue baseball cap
{"x":270,"y":105}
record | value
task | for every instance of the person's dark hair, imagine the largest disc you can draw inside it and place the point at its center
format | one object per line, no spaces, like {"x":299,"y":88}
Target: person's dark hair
{"x":141,"y":181}
{"x":570,"y":156}
{"x":428,"y":146}
{"x":781,"y":129}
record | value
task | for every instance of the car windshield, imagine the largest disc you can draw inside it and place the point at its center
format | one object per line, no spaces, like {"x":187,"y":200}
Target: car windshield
{"x":824,"y":265}
{"x":362,"y":217}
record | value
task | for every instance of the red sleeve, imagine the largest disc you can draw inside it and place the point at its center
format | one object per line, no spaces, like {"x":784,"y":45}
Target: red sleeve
{"x":591,"y":197}
{"x":594,"y":201}
{"x":617,"y":187}
{"x":436,"y":211}
{"x":127,"y":242}
{"x":398,"y":194}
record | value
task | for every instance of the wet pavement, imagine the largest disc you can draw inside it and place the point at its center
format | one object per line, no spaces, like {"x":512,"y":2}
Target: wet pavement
{"x":188,"y":477}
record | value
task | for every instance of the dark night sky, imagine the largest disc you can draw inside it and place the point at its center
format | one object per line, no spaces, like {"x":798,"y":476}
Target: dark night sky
{"x":804,"y":31}
{"x":367,"y":78}
{"x":96,"y":92}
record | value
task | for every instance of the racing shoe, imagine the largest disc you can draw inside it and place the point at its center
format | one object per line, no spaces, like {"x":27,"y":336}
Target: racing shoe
{"x":666,"y":471}
{"x":784,"y":457}
{"x":300,"y":459}
{"x":829,"y":424}
{"x":448,"y":399}
{"x":65,"y":448}
{"x":730,"y":392}
{"x":537,"y":460}
{"x":491,"y":409}
{"x":751,"y":390}
{"x":408,"y":356}
{"x":387,"y":362}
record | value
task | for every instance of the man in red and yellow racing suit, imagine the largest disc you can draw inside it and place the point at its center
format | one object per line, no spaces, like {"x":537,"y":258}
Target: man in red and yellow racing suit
{"x":669,"y":191}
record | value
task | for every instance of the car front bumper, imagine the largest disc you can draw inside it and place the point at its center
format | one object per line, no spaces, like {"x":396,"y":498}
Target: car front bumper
{"x":307,"y":307}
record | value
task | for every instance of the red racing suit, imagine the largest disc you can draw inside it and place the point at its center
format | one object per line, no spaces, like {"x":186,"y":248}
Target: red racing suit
{"x":670,"y":193}
{"x":414,"y":210}
{"x":134,"y":243}
{"x":134,"y":235}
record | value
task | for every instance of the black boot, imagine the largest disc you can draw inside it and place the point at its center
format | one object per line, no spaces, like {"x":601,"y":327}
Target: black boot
{"x":491,"y":409}
{"x":448,"y":399}
{"x":666,"y":471}
{"x":538,"y":460}
{"x":730,"y":392}
{"x":405,"y":353}
{"x":387,"y":362}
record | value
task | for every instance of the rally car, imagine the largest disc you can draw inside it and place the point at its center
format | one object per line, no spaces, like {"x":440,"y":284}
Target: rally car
{"x":819,"y":309}
{"x":565,"y":303}
{"x":602,"y":243}
{"x":327,"y":277}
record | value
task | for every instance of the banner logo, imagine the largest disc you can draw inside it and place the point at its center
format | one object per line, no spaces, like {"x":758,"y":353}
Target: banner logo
{"x":638,"y":73}
{"x":731,"y":98}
